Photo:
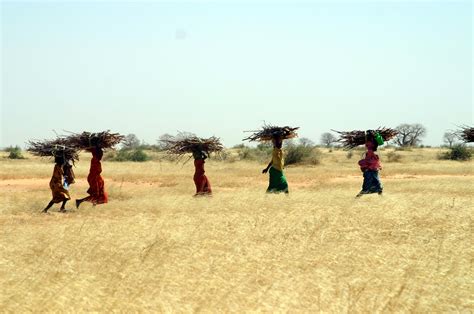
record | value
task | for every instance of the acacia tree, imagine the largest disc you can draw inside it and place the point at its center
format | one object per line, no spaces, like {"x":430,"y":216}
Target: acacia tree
{"x":306,"y":142}
{"x":449,"y":138}
{"x":130,"y":141}
{"x":410,"y":134}
{"x":328,"y":139}
{"x":162,"y":141}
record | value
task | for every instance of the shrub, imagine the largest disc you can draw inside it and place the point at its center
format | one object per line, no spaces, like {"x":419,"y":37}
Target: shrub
{"x":297,"y":153}
{"x":224,"y":155}
{"x":293,"y":153}
{"x":245,"y":153}
{"x":260,"y":153}
{"x":457,"y":152}
{"x":394,"y":157}
{"x":349,"y":154}
{"x":315,"y":157}
{"x":136,"y":155}
{"x":15,"y":152}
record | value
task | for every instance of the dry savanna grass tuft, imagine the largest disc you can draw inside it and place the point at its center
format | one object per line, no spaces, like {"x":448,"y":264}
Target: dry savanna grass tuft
{"x":154,"y":247}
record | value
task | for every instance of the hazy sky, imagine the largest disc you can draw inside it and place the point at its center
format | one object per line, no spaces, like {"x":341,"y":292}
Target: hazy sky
{"x":218,"y":68}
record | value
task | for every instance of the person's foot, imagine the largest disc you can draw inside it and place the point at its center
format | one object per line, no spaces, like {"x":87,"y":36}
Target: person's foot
{"x":44,"y":211}
{"x":380,"y":192}
{"x":62,"y":210}
{"x":78,"y":202}
{"x":360,"y":194}
{"x":201,"y":194}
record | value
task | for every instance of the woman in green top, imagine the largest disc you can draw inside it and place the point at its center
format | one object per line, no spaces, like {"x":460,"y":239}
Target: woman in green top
{"x":278,"y":181}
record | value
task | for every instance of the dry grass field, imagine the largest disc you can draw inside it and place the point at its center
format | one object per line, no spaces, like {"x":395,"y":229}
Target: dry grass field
{"x":154,"y":247}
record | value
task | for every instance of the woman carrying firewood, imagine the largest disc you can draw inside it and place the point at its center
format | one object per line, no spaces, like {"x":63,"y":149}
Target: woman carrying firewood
{"x":277,"y":180}
{"x":370,"y":165}
{"x":276,"y":134}
{"x":203,"y":186}
{"x":188,"y":143}
{"x":63,"y":176}
{"x":96,"y":191}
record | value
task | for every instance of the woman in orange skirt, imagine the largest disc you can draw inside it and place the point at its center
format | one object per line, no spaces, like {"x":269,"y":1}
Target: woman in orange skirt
{"x":96,"y":191}
{"x":63,"y":176}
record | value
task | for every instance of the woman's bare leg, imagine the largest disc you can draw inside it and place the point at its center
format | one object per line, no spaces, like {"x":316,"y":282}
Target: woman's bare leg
{"x":63,"y":206}
{"x":48,"y":206}
{"x":79,"y":201}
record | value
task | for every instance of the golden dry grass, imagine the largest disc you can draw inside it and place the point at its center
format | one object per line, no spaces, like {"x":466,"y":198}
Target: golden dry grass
{"x":156,"y":248}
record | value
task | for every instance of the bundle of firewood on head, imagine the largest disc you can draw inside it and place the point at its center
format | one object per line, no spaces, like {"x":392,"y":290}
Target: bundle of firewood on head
{"x":270,"y":132}
{"x":185,"y":143}
{"x":88,"y":141}
{"x":58,"y":148}
{"x":466,"y":134}
{"x":351,"y":139}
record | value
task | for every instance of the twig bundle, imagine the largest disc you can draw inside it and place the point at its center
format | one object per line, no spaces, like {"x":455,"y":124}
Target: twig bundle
{"x":269,"y":132}
{"x":466,"y":134}
{"x":185,"y":143}
{"x":53,"y":148}
{"x":351,"y":139}
{"x":87,"y":140}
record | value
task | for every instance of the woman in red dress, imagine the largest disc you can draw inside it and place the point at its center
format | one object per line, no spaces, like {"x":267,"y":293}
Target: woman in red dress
{"x":203,"y":186}
{"x":96,"y":191}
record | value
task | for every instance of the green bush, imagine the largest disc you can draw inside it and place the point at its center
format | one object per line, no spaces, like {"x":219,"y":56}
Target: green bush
{"x":261,"y":153}
{"x":136,"y":155}
{"x":15,"y":152}
{"x":457,"y":152}
{"x":297,"y":153}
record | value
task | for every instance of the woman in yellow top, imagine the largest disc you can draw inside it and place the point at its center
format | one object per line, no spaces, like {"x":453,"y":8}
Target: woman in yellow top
{"x":277,"y":181}
{"x":59,"y":188}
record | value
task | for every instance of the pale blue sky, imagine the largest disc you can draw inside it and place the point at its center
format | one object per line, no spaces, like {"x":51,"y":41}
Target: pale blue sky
{"x":220,"y":68}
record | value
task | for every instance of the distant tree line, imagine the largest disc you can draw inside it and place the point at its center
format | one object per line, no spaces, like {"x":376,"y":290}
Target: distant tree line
{"x":297,"y":150}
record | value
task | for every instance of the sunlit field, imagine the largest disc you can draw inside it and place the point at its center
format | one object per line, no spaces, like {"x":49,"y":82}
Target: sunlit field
{"x":154,"y":247}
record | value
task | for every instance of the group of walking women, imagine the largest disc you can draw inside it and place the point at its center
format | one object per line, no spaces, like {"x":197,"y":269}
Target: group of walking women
{"x":63,"y":175}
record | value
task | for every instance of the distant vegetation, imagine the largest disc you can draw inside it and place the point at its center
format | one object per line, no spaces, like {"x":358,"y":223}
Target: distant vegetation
{"x":409,"y":135}
{"x":132,"y":150}
{"x":297,"y":151}
{"x":457,"y":152}
{"x":15,"y":152}
{"x":301,"y":151}
{"x":136,"y":155}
